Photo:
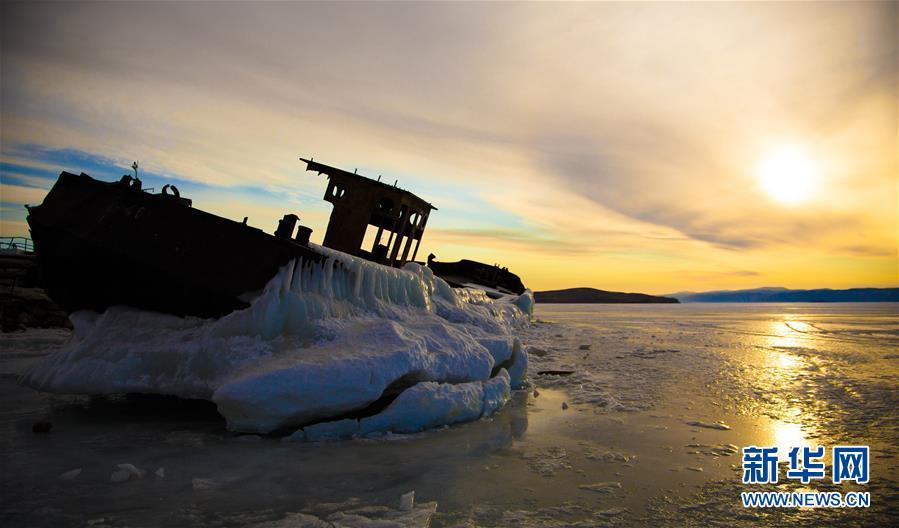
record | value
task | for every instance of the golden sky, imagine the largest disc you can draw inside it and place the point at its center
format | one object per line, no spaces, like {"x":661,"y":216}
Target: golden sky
{"x":652,"y":147}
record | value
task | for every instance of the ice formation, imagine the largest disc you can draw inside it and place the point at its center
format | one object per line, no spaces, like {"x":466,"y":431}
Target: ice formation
{"x":321,"y":341}
{"x":70,"y":475}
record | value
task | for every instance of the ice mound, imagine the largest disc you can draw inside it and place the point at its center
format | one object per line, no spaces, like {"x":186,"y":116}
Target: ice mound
{"x":320,"y":341}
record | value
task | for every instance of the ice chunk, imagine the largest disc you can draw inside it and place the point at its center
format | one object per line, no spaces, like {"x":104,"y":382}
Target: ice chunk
{"x":547,"y":461}
{"x":496,"y":393}
{"x":119,"y":475}
{"x":427,"y":405}
{"x":607,"y":456}
{"x":134,"y":471}
{"x":601,"y":487}
{"x":710,"y":425}
{"x":525,"y":302}
{"x":519,"y":369}
{"x":407,"y":501}
{"x":321,"y":340}
{"x":69,"y":475}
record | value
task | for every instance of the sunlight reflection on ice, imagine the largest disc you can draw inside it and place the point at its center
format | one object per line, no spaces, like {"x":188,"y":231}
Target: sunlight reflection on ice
{"x":789,"y":334}
{"x":787,"y":435}
{"x":785,"y":334}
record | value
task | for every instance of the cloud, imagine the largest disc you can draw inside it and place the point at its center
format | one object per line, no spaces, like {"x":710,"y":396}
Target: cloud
{"x":862,"y":250}
{"x":13,"y":228}
{"x":589,"y":131}
{"x":507,"y":239}
{"x":18,"y":194}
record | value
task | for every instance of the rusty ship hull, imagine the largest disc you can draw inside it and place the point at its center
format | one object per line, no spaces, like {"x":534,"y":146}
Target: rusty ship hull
{"x":102,"y":244}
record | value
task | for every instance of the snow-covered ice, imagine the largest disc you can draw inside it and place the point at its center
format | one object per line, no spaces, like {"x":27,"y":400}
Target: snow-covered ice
{"x":320,"y":341}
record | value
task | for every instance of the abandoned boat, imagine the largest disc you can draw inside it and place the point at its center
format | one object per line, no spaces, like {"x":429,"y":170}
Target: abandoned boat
{"x":101,"y":244}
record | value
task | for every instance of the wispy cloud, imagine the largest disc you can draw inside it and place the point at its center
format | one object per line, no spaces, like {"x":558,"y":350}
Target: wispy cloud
{"x":18,"y":194}
{"x":506,"y":239}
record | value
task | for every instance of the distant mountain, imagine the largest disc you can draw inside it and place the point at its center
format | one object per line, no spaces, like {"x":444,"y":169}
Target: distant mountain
{"x":788,"y":295}
{"x":591,"y":295}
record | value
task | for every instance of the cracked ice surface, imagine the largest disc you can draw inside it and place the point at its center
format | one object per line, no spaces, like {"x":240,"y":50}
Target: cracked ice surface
{"x":321,"y":340}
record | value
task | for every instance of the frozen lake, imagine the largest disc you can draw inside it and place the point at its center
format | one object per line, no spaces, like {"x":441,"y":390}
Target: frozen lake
{"x":625,"y":451}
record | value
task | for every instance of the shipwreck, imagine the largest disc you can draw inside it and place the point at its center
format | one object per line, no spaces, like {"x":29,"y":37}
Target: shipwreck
{"x":354,"y":337}
{"x":101,"y":244}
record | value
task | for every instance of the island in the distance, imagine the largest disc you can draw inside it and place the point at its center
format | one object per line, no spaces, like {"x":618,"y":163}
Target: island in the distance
{"x":788,"y":295}
{"x":594,"y":296}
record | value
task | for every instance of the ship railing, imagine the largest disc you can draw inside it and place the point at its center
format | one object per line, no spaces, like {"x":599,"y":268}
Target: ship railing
{"x":16,"y":243}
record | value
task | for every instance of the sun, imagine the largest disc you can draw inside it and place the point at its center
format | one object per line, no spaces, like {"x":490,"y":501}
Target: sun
{"x":788,"y":175}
